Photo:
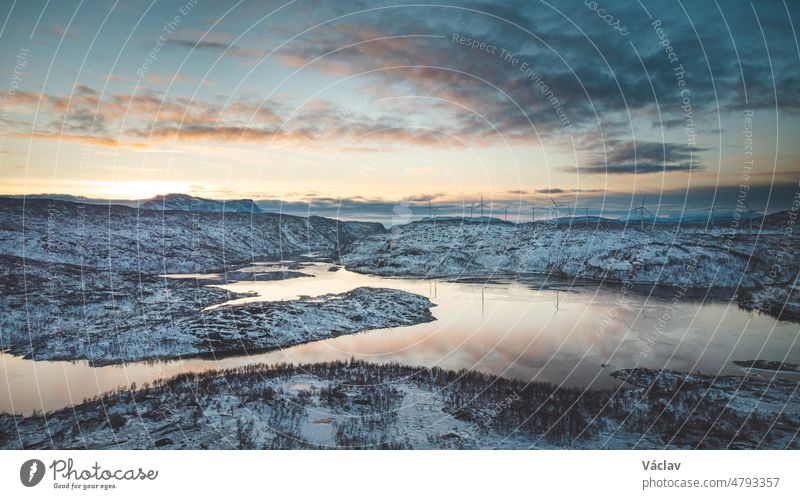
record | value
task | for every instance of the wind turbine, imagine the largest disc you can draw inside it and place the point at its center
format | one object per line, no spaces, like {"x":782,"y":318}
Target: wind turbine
{"x":712,"y":214}
{"x":642,"y":210}
{"x":749,"y":214}
{"x":505,"y":214}
{"x":481,"y":206}
{"x":533,"y":213}
{"x":471,"y":207}
{"x":556,"y":209}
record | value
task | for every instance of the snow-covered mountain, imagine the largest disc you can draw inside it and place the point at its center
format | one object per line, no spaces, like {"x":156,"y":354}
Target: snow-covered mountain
{"x":168,"y":202}
{"x":80,"y":281}
{"x":153,"y":241}
{"x":185,"y":202}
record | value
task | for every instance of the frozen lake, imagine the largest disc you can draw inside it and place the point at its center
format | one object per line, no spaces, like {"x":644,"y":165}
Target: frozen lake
{"x":535,"y":329}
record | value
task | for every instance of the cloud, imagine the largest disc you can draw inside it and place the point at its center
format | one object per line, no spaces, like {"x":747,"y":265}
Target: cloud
{"x":639,"y":168}
{"x":641,"y":157}
{"x":623,"y":152}
{"x":151,"y":116}
{"x":545,"y":70}
{"x":216,"y":46}
{"x":424,"y":197}
{"x":552,"y":190}
{"x":81,"y":89}
{"x":163,"y":79}
{"x":97,"y":119}
{"x":601,"y":81}
{"x":21,"y":101}
{"x":81,"y":139}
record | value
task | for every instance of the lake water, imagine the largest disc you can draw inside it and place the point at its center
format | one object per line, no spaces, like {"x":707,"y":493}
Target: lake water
{"x":534,"y":330}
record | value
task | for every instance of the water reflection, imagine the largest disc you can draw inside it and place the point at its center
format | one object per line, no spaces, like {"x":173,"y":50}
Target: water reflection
{"x":573,"y":335}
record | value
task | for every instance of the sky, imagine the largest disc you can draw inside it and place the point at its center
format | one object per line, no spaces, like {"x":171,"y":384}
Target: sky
{"x":373,"y":109}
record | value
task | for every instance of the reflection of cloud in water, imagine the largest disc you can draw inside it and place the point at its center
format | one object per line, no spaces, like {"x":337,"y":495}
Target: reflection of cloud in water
{"x":520,"y":334}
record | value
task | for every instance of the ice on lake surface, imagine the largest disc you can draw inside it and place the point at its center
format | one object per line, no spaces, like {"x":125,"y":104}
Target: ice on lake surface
{"x":537,"y":330}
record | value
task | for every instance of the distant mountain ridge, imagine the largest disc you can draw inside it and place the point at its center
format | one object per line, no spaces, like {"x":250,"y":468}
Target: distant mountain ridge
{"x":126,"y":239}
{"x":185,"y":202}
{"x":161,"y":202}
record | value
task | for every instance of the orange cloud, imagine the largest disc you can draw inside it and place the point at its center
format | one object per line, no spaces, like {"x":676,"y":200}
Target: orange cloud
{"x":81,"y":139}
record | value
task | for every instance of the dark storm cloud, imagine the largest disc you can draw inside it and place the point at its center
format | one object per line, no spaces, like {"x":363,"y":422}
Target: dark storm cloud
{"x":639,"y":168}
{"x":642,"y":157}
{"x":652,"y":151}
{"x":598,"y":77}
{"x":558,"y":190}
{"x":537,"y":59}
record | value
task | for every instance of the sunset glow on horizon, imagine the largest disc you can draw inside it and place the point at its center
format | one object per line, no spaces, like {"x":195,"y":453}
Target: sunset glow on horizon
{"x":220,"y":101}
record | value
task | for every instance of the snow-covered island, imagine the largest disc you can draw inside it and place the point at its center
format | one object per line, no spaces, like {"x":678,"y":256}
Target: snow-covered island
{"x":360,"y":405}
{"x":65,"y":312}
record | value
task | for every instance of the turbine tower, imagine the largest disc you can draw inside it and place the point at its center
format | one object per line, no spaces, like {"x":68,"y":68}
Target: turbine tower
{"x":749,"y":214}
{"x":642,"y":210}
{"x":481,"y":206}
{"x":712,"y":214}
{"x":555,"y":210}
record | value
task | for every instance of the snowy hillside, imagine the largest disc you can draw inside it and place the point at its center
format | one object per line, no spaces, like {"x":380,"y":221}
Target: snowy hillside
{"x":81,"y":282}
{"x":687,"y":257}
{"x":127,"y":239}
{"x":359,"y":405}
